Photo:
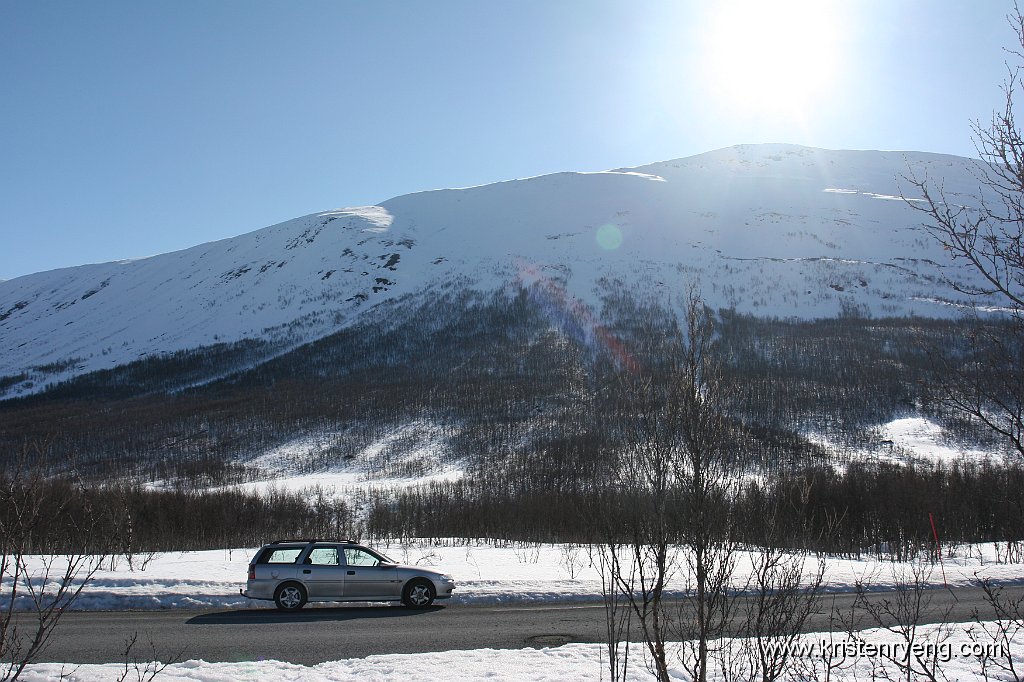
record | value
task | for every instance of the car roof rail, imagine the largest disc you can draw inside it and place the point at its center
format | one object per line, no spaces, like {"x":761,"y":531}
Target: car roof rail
{"x":309,"y":540}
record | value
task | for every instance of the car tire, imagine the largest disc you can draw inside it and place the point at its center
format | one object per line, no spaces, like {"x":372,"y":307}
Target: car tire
{"x":290,"y":597}
{"x":418,"y":593}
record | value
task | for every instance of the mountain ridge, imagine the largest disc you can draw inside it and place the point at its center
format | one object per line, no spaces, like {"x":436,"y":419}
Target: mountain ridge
{"x":773,"y":230}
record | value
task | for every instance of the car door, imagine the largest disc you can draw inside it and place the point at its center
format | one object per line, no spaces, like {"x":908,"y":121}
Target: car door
{"x":368,"y":577}
{"x":323,"y":573}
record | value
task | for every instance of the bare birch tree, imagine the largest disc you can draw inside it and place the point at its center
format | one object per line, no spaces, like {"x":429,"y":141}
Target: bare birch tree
{"x":671,"y":477}
{"x":985,"y":232}
{"x":48,"y":553}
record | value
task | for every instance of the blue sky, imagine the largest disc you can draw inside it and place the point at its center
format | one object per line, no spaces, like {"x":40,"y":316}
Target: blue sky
{"x":129,"y":129}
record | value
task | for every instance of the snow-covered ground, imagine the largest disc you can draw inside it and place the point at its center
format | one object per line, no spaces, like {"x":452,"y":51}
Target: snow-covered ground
{"x":423,"y":447}
{"x":954,"y":650}
{"x":337,"y":465}
{"x":418,"y":446}
{"x":485,"y":572}
{"x":904,"y":440}
{"x":924,"y":439}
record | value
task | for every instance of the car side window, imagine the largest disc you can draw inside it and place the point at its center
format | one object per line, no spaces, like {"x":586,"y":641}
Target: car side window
{"x":358,"y":557}
{"x":323,"y":556}
{"x":281,"y":556}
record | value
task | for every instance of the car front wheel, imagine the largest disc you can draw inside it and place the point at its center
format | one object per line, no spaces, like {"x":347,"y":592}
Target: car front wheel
{"x":290,"y":597}
{"x":418,"y":594}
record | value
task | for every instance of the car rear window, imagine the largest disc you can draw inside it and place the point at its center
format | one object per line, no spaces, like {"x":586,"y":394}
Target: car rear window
{"x":282,"y":555}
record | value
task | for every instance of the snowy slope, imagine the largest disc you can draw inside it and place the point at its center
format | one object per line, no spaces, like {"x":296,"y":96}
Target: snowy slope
{"x":769,"y":229}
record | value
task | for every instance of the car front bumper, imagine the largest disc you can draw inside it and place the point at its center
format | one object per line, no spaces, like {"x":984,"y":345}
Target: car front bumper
{"x":444,"y":588}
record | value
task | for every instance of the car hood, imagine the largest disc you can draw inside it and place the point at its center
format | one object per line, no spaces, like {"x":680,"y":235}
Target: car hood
{"x":420,"y":570}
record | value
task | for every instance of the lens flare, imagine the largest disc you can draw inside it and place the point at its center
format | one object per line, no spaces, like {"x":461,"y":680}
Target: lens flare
{"x":609,"y":237}
{"x":573,"y":316}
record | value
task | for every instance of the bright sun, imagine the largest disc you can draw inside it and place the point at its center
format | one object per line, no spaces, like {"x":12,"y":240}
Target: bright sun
{"x":772,"y":57}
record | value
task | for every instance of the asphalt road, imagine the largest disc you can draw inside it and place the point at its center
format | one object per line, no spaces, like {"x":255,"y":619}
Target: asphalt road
{"x":318,"y":634}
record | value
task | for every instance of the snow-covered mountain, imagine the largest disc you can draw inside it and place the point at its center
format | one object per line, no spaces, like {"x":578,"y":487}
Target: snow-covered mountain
{"x":769,"y":229}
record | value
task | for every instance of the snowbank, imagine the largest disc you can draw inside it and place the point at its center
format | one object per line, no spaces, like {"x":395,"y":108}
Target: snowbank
{"x":485,"y":572}
{"x":567,"y":662}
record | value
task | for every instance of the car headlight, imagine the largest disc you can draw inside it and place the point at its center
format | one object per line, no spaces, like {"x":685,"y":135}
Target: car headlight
{"x":445,"y":576}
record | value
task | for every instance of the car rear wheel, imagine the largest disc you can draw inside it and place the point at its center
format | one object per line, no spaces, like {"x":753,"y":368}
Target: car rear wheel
{"x":418,"y":594}
{"x":290,"y":597}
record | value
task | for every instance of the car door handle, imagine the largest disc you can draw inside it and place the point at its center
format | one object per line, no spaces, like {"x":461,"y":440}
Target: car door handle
{"x":306,"y":570}
{"x":351,"y":572}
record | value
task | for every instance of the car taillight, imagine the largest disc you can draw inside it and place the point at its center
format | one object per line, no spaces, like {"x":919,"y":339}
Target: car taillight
{"x":252,"y":573}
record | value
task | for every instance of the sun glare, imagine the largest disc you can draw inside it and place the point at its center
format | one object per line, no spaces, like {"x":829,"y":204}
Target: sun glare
{"x":772,"y":57}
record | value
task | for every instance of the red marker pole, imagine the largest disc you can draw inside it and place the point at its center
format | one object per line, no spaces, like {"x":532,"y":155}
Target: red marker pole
{"x":938,"y":547}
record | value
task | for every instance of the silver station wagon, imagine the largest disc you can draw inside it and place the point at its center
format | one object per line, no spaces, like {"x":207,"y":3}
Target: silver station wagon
{"x":293,"y":572}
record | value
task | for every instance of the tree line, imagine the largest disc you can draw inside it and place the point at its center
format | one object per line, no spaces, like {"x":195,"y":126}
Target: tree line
{"x":503,"y":379}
